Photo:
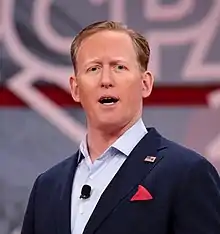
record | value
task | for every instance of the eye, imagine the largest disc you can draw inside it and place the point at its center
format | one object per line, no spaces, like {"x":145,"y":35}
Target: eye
{"x":93,"y":69}
{"x":120,"y":67}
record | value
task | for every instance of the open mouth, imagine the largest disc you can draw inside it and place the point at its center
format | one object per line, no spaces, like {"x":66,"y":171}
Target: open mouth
{"x":108,"y":100}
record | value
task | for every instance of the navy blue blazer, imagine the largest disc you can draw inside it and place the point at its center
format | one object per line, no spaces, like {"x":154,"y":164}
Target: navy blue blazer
{"x":185,"y":188}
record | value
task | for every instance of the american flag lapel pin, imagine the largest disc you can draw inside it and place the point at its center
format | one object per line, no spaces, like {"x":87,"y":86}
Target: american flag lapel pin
{"x":150,"y":159}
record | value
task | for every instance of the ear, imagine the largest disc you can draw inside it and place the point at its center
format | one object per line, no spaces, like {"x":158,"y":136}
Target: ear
{"x":74,"y":88}
{"x":147,"y":84}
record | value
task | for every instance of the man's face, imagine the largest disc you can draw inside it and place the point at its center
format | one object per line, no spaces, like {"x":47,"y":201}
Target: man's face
{"x":109,"y":83}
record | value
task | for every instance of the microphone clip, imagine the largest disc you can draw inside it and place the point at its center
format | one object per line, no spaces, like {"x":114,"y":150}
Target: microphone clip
{"x":85,"y":192}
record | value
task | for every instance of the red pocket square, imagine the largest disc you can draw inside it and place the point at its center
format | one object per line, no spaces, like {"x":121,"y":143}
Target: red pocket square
{"x":142,"y":194}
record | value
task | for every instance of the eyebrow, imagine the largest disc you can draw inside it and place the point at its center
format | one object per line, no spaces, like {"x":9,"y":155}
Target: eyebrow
{"x":113,"y":61}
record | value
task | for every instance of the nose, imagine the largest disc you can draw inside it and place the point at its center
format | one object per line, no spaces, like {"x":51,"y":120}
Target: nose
{"x":107,"y":80}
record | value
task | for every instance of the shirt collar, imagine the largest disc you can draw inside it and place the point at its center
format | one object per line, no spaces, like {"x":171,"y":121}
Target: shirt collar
{"x":125,"y":143}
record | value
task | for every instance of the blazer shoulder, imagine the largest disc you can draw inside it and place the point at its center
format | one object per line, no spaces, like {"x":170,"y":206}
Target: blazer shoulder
{"x":180,"y":162}
{"x":179,"y":154}
{"x":58,"y":170}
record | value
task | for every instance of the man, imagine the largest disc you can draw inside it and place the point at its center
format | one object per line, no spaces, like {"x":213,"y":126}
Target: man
{"x":125,"y":179}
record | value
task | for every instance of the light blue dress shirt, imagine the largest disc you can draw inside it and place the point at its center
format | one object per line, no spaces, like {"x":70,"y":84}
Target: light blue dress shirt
{"x":99,"y":174}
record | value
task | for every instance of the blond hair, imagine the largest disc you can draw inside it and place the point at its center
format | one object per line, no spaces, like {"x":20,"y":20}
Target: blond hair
{"x":140,"y":43}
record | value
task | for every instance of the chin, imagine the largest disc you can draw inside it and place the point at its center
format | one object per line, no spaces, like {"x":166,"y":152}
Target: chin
{"x":110,"y":123}
{"x":107,"y":123}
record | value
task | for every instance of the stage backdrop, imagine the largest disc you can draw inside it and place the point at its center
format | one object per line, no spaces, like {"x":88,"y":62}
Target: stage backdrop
{"x":39,"y":123}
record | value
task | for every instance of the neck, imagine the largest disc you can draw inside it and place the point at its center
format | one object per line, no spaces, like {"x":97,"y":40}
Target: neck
{"x":98,"y":139}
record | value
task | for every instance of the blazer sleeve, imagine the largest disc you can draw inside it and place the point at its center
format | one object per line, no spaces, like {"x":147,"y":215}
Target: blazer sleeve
{"x":197,"y":207}
{"x":28,"y":222}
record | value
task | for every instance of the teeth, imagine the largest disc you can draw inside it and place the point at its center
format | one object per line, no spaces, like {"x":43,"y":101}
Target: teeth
{"x":108,"y":103}
{"x":108,"y":100}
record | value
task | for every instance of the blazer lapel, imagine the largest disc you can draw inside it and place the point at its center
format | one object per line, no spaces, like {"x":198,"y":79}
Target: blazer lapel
{"x":134,"y":169}
{"x":64,"y":191}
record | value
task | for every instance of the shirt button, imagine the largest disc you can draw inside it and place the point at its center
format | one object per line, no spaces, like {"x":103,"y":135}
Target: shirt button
{"x":81,"y":210}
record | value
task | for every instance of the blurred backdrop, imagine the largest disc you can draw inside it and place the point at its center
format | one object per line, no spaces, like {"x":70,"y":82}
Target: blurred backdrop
{"x":39,"y":123}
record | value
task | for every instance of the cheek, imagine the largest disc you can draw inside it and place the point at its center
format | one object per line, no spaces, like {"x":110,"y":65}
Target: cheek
{"x":134,"y":94}
{"x":134,"y":89}
{"x":84,"y":87}
{"x":87,"y":94}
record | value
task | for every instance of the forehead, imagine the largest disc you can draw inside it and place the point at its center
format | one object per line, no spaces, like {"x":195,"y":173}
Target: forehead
{"x":107,"y":45}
